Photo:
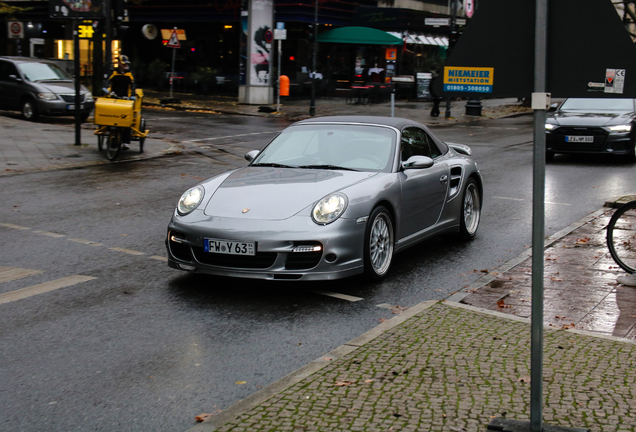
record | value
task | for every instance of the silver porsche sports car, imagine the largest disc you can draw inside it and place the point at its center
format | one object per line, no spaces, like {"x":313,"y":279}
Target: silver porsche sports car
{"x":328,"y":198}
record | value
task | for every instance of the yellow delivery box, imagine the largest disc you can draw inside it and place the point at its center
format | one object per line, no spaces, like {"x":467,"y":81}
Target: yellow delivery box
{"x":114,"y":112}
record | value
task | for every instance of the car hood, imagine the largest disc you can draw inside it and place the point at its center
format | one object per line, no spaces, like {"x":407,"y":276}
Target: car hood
{"x":577,"y":118}
{"x":267,"y":193}
{"x":60,"y":87}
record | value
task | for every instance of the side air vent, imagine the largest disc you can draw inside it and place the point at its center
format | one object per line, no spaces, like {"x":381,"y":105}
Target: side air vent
{"x":455,"y":180}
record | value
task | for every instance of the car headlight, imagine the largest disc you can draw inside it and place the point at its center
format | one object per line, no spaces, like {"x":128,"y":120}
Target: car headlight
{"x":620,"y":128}
{"x":190,"y":200}
{"x":89,"y":97}
{"x":47,"y":96}
{"x":549,"y":126}
{"x":329,"y":209}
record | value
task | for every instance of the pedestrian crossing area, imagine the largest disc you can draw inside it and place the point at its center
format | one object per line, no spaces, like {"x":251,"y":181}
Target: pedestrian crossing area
{"x":8,"y":274}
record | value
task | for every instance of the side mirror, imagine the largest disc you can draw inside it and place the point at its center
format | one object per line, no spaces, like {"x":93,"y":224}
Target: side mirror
{"x":251,"y":155}
{"x":15,"y":78}
{"x":418,"y":162}
{"x":554,"y":106}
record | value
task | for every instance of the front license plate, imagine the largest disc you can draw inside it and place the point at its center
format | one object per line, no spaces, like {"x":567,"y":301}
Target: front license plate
{"x":229,"y":247}
{"x":72,"y":107}
{"x":570,"y":138}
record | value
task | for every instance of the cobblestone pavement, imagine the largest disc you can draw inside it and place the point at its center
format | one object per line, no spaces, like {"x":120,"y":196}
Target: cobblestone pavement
{"x":455,"y":368}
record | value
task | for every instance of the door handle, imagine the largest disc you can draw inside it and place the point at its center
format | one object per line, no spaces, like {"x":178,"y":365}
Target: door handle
{"x":443,"y":179}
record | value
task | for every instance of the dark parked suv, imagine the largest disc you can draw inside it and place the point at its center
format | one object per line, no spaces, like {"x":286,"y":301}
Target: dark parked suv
{"x":39,"y":87}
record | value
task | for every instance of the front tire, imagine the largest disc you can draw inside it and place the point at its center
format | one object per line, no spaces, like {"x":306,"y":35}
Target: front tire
{"x":29,"y":110}
{"x":142,"y":129}
{"x":100,"y":142}
{"x":470,"y":211}
{"x":379,"y":243}
{"x":113,"y":143}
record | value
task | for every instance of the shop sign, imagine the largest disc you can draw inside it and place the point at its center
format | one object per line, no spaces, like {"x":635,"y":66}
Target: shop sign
{"x":85,"y":31}
{"x":391,"y":54}
{"x":468,"y":79}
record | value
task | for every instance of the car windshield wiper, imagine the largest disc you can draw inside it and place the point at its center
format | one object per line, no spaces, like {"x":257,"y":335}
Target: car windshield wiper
{"x":271,"y":164}
{"x":335,"y":167}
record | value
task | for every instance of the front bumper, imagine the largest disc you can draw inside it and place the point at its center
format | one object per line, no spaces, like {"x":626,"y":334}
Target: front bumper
{"x":60,"y":107}
{"x":604,"y":142}
{"x":341,"y":256}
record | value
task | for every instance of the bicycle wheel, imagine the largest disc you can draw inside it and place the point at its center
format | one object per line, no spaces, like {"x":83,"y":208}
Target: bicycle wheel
{"x":621,"y":237}
{"x":142,"y":140}
{"x":113,"y":144}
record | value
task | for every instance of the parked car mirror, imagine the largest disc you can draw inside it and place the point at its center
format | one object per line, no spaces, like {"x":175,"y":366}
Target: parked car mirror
{"x":251,"y":155}
{"x":418,"y":162}
{"x":15,"y":78}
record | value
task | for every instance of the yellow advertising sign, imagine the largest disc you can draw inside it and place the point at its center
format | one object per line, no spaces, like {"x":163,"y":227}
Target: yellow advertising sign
{"x":166,"y":33}
{"x":469,"y":79}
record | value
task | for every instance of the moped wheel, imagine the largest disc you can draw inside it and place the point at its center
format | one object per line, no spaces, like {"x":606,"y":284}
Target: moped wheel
{"x":621,"y":237}
{"x":100,"y":142}
{"x":113,"y":144}
{"x":142,"y":140}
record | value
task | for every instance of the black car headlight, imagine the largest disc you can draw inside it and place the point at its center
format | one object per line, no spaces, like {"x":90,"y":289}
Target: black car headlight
{"x":620,"y":128}
{"x":190,"y":200}
{"x":329,"y":209}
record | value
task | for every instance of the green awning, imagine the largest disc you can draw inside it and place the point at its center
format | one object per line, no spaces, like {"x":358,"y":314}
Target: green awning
{"x":359,"y":35}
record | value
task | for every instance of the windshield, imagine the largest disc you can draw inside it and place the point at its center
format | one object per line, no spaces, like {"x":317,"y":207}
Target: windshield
{"x":312,"y":146}
{"x":598,"y":105}
{"x":42,"y":72}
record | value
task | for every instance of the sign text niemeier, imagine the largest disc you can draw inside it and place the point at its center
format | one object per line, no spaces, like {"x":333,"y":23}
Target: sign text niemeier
{"x":468,"y":79}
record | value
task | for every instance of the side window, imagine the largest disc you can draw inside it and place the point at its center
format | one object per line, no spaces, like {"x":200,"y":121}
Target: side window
{"x":416,"y":142}
{"x":5,"y":70}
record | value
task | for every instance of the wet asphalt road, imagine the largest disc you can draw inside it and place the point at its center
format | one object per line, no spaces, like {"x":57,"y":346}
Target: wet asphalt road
{"x":143,"y":347}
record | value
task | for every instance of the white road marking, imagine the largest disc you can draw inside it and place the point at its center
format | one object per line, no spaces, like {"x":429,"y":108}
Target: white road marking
{"x":42,"y":288}
{"x":506,"y":198}
{"x":339,"y":296}
{"x":50,"y":234}
{"x":128,"y":251}
{"x":555,"y":203}
{"x":520,"y":199}
{"x":12,"y":273}
{"x":18,"y":227}
{"x":86,"y":242}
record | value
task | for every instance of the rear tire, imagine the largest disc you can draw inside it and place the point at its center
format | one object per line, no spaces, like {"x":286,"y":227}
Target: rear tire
{"x":470,"y":211}
{"x":29,"y":110}
{"x":142,"y":129}
{"x":621,"y":237}
{"x":379,"y":242}
{"x":113,"y":143}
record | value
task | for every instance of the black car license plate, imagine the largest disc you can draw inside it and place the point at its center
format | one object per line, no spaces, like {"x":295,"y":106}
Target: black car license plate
{"x":577,"y":138}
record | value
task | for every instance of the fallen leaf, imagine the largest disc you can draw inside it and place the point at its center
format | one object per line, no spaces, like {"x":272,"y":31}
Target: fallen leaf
{"x":382,"y":320}
{"x":241,"y":382}
{"x":556,"y":279}
{"x":502,"y":305}
{"x":369,"y":381}
{"x":328,"y":358}
{"x":581,"y":241}
{"x":202,"y":417}
{"x":344,"y":383}
{"x":568,"y":326}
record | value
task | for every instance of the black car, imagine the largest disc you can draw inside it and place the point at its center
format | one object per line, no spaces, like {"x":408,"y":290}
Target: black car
{"x":39,"y":87}
{"x":592,"y":126}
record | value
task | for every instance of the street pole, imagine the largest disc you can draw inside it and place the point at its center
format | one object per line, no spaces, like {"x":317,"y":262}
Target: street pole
{"x":280,"y":53}
{"x":108,"y":10}
{"x":538,"y":219}
{"x":453,"y":29}
{"x":76,"y":66}
{"x":312,"y":104}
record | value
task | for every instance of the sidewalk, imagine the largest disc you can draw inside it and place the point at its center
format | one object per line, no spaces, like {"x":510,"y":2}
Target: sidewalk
{"x":456,"y":365}
{"x":32,"y":146}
